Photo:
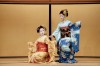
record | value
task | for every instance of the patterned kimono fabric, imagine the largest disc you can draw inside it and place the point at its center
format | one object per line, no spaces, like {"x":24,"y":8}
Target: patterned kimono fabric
{"x":41,"y":57}
{"x":65,"y":45}
{"x":67,"y":33}
{"x":69,"y":44}
{"x":42,"y":51}
{"x":75,"y":36}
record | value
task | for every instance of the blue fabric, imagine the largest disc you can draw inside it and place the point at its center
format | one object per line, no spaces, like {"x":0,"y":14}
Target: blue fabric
{"x":76,"y":46}
{"x":65,"y":45}
{"x":75,"y":36}
{"x":72,"y":59}
{"x":64,"y":53}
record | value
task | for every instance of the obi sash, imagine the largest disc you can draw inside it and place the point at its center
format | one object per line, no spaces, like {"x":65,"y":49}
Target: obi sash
{"x":64,"y":31}
{"x":42,"y":47}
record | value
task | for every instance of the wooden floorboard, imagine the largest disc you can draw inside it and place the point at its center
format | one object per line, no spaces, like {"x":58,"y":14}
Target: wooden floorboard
{"x":23,"y":62}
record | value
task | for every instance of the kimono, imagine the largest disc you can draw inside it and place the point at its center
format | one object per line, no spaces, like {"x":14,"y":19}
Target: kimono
{"x":62,"y":34}
{"x":41,"y":51}
{"x":57,"y":32}
{"x":75,"y":37}
{"x":65,"y":50}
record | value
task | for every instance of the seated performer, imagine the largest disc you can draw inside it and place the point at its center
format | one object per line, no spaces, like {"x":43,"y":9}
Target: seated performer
{"x":42,"y":50}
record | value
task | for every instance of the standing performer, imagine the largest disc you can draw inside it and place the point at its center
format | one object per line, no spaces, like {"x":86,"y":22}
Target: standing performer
{"x":63,"y":38}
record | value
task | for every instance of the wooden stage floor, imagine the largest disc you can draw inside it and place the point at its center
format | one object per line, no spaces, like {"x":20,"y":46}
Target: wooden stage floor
{"x":23,"y":62}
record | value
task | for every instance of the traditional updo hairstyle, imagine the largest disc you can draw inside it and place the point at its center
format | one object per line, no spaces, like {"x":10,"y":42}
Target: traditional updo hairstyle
{"x":38,"y":29}
{"x":64,"y":12}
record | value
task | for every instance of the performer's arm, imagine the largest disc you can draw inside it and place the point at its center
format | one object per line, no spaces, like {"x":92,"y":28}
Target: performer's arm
{"x":56,"y":32}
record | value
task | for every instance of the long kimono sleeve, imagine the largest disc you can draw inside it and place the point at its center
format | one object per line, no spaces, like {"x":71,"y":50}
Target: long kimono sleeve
{"x":32,"y":50}
{"x":32,"y":46}
{"x":56,"y":33}
{"x":51,"y":49}
{"x":51,"y":44}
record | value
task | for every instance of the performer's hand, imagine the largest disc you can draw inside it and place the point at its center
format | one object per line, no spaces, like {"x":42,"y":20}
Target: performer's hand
{"x":70,"y":24}
{"x":51,"y":37}
{"x":76,"y":25}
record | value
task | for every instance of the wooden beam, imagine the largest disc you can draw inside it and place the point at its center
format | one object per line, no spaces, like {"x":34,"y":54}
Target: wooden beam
{"x":25,"y":1}
{"x":74,"y":1}
{"x":48,"y":1}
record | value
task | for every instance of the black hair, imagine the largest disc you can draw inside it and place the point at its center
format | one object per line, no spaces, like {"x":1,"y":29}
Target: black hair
{"x":64,"y":12}
{"x":38,"y":29}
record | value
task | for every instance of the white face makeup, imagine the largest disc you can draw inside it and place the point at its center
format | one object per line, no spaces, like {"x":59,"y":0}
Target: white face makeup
{"x":42,"y":31}
{"x":62,"y":17}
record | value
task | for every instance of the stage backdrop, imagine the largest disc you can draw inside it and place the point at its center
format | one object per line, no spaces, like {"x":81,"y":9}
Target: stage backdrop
{"x":18,"y":23}
{"x":89,"y":15}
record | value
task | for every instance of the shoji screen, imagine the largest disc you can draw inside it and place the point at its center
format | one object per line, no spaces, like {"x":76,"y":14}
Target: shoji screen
{"x":18,"y":23}
{"x":89,"y":15}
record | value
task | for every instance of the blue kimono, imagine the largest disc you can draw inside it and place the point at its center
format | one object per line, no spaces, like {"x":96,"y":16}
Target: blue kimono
{"x":65,"y":51}
{"x":62,"y":35}
{"x":75,"y":38}
{"x":75,"y":35}
{"x":57,"y":32}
